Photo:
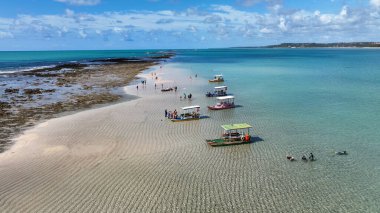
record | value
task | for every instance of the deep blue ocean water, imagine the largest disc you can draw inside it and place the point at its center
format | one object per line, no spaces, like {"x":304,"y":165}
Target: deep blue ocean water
{"x":13,"y":61}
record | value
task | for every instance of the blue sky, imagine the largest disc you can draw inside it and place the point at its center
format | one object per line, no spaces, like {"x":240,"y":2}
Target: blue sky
{"x":171,"y":24}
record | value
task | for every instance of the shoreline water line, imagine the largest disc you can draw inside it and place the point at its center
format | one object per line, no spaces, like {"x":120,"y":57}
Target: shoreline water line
{"x":31,"y":96}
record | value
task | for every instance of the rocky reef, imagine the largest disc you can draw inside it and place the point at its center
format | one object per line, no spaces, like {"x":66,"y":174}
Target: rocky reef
{"x":32,"y":96}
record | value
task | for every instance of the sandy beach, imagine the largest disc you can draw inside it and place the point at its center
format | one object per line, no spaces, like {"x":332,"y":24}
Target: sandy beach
{"x":29,"y":97}
{"x":123,"y":157}
{"x":96,"y":160}
{"x":128,"y":158}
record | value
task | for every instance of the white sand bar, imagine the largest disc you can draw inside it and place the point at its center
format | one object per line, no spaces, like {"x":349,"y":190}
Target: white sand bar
{"x":128,"y":158}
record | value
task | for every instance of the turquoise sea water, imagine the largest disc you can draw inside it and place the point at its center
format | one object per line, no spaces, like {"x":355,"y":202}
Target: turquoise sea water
{"x":307,"y":100}
{"x":299,"y":101}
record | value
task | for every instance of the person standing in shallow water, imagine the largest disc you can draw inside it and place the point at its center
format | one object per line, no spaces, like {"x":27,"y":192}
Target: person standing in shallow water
{"x":137,"y":87}
{"x":311,"y":157}
{"x":166,"y":113}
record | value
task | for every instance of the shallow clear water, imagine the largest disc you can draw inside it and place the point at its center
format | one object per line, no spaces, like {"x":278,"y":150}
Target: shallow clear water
{"x":301,"y":101}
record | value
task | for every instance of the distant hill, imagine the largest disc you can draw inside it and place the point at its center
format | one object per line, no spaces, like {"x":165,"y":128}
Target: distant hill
{"x":325,"y":45}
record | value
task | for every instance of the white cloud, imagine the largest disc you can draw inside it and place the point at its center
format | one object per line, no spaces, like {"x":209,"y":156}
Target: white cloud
{"x":344,"y":11}
{"x":375,"y":3}
{"x":276,"y":7}
{"x":69,"y":13}
{"x":249,"y":3}
{"x":192,"y":28}
{"x":5,"y":35}
{"x":282,"y":24}
{"x":81,"y":2}
{"x":266,"y":30}
{"x":164,"y":21}
{"x":213,"y":19}
{"x":220,"y":22}
{"x":82,"y":33}
{"x":325,"y":18}
{"x":117,"y":30}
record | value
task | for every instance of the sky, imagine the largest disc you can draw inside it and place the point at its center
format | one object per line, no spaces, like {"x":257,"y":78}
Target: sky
{"x":180,"y":24}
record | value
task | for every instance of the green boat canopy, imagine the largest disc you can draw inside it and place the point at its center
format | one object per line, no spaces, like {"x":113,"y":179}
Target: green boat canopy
{"x":228,"y":127}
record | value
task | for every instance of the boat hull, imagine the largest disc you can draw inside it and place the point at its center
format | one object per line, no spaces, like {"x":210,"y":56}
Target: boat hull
{"x":167,"y":90}
{"x":220,"y":108}
{"x":215,"y":95}
{"x":221,"y":142}
{"x":186,"y":119}
{"x":215,"y":81}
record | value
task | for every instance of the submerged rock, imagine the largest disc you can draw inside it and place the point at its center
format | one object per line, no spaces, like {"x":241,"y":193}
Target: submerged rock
{"x":11,"y":90}
{"x":4,"y":105}
{"x":32,"y":91}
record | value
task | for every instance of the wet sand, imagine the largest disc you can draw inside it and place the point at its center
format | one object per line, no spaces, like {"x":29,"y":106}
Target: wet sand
{"x":29,"y":97}
{"x":128,"y":158}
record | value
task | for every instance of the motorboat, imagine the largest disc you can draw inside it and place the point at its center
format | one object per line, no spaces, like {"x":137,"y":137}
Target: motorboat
{"x":217,"y":78}
{"x":188,"y":113}
{"x":167,"y":89}
{"x":225,"y":102}
{"x":218,"y":91}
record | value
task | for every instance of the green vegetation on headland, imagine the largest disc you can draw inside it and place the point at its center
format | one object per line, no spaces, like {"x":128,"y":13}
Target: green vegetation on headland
{"x":321,"y":45}
{"x":325,"y":45}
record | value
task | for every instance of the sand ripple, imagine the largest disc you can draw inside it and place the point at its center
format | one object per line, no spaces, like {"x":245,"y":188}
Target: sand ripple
{"x":128,"y":158}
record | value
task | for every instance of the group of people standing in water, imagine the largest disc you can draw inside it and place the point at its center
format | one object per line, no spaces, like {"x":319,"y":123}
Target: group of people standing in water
{"x":184,"y":96}
{"x":170,"y":114}
{"x":304,"y":158}
{"x":311,"y":157}
{"x":143,"y":83}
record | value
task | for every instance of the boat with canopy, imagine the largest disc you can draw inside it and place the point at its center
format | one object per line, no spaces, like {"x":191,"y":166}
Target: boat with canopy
{"x":217,"y":78}
{"x":187,"y":114}
{"x":233,"y":134}
{"x":225,"y":102}
{"x":218,"y":91}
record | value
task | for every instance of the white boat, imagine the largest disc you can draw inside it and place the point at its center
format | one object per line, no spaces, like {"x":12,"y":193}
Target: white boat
{"x":218,"y":91}
{"x":225,"y":102}
{"x":188,"y":113}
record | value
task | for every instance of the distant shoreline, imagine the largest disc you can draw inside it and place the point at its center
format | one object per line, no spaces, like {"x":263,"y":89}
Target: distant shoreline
{"x":321,"y":45}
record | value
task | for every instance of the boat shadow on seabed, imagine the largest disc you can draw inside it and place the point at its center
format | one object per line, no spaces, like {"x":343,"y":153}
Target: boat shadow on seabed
{"x":255,"y":139}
